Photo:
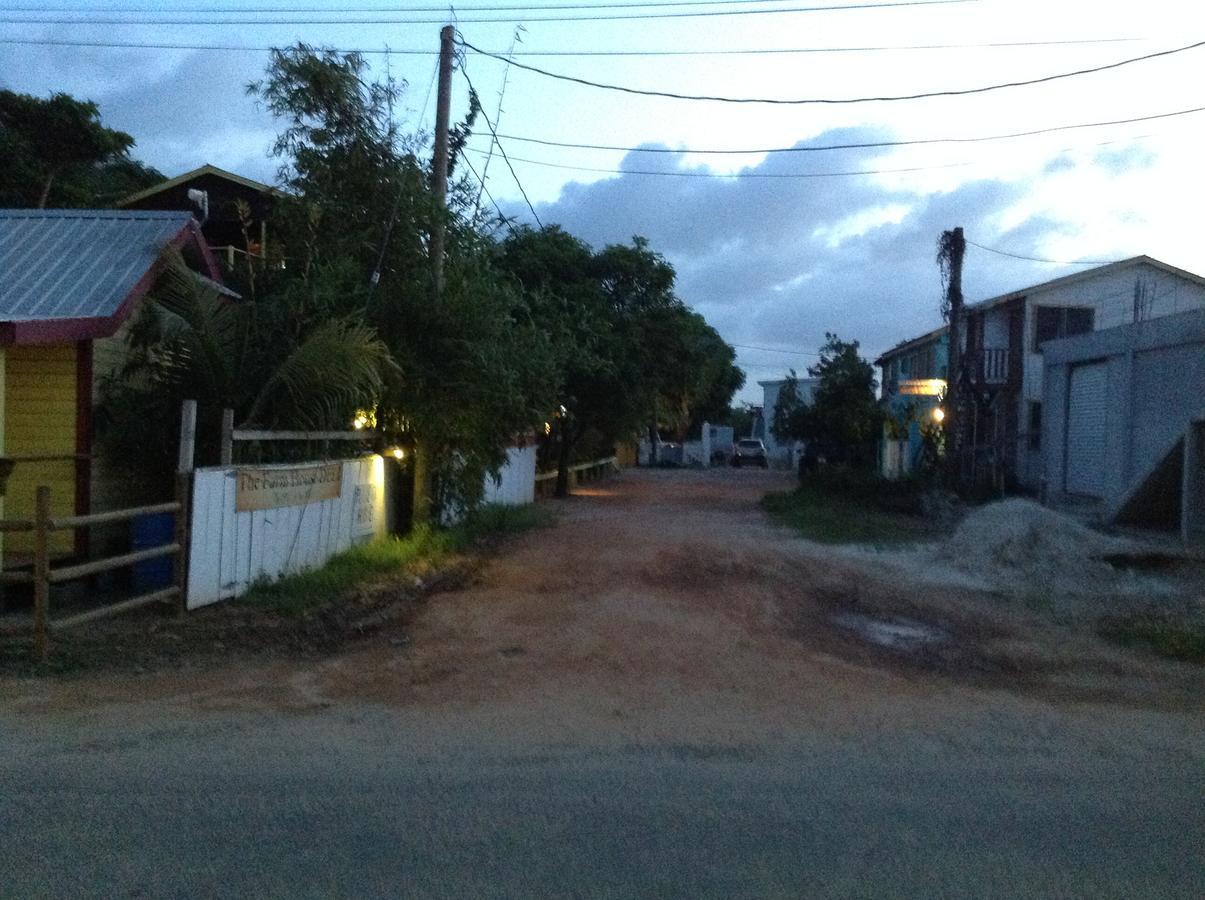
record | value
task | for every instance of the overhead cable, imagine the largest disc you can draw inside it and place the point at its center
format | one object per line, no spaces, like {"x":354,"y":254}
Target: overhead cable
{"x":393,"y":20}
{"x":670,"y":95}
{"x":866,"y":145}
{"x":411,"y":51}
{"x":502,"y":150}
{"x":678,"y":174}
{"x":1038,"y":259}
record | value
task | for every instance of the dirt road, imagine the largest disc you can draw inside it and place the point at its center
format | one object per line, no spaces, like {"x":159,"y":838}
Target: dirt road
{"x":655,"y":697}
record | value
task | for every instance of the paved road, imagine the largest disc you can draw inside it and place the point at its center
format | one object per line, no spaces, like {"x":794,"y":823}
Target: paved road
{"x":664,"y":748}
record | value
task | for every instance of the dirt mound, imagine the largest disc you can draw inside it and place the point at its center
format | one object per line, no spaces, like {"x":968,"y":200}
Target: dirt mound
{"x":1027,"y":545}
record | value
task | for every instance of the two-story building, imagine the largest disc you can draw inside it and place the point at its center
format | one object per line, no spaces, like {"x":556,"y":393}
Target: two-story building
{"x":1002,"y":347}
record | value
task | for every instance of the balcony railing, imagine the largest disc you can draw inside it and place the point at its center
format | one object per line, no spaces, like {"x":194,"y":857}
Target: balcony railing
{"x":993,"y":366}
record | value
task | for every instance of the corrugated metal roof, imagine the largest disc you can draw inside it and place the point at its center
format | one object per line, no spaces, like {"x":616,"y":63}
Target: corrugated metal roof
{"x":77,"y":263}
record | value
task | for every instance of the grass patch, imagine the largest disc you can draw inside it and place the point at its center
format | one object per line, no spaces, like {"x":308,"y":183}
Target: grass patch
{"x":421,"y":550}
{"x":830,"y":518}
{"x":1175,"y":640}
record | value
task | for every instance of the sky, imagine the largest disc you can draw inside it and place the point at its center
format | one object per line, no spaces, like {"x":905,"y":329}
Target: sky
{"x":774,"y":249}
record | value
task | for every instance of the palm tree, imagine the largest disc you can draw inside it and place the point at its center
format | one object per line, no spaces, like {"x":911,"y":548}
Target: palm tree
{"x":190,"y":340}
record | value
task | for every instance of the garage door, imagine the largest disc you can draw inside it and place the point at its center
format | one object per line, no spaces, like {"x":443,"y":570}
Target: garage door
{"x":1086,"y":430}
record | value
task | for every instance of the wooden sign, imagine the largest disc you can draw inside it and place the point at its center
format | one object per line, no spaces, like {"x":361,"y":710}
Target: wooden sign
{"x":271,"y":487}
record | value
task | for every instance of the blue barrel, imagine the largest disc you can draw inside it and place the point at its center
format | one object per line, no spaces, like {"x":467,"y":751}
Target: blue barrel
{"x":148,"y":531}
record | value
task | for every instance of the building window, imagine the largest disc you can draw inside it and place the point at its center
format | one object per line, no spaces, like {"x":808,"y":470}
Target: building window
{"x":1051,"y":322}
{"x":1035,"y":426}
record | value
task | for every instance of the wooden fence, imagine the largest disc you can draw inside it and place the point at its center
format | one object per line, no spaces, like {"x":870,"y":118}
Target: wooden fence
{"x":44,"y":573}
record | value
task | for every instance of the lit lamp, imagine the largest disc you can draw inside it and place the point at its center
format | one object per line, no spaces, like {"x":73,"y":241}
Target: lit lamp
{"x":939,"y":414}
{"x":399,"y":453}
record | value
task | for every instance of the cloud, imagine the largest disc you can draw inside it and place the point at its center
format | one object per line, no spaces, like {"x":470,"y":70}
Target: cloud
{"x":780,"y":261}
{"x":184,"y":109}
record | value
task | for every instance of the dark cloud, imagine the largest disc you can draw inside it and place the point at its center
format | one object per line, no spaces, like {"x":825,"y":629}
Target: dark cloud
{"x":776,"y":261}
{"x":183,"y":109}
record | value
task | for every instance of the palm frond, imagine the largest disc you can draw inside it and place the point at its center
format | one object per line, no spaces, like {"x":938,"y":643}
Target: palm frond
{"x":341,"y":366}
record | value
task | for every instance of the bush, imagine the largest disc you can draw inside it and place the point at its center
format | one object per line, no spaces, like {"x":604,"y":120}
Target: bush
{"x":900,"y":495}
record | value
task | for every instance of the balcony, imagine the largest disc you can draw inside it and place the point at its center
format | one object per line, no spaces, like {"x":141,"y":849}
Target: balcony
{"x":991,"y":366}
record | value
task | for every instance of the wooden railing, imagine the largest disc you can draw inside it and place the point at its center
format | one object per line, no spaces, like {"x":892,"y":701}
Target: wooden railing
{"x":993,"y":366}
{"x":44,"y":573}
{"x":581,"y":473}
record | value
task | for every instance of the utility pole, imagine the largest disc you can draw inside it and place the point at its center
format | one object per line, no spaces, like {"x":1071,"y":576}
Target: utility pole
{"x":439,"y":163}
{"x":952,"y":247}
{"x":421,"y":513}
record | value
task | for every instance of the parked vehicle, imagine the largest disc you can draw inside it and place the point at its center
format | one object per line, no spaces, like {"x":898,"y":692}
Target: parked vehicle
{"x":750,"y":451}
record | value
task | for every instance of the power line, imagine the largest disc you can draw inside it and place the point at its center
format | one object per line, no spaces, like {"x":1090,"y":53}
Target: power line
{"x":775,"y":350}
{"x":495,"y":20}
{"x":858,"y":146}
{"x":676,"y":174}
{"x":1038,"y":259}
{"x":241,"y":10}
{"x":502,"y":150}
{"x":159,"y":45}
{"x":835,"y":100}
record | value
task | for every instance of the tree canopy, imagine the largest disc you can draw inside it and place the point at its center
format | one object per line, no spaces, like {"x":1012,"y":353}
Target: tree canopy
{"x":844,"y":417}
{"x":57,"y":153}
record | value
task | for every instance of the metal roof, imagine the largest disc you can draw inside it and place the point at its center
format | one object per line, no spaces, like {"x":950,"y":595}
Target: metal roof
{"x":78,"y":263}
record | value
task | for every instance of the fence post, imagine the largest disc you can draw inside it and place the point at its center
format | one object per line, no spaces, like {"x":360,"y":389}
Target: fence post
{"x":188,"y":435}
{"x":183,"y":514}
{"x":227,"y":436}
{"x":41,"y":573}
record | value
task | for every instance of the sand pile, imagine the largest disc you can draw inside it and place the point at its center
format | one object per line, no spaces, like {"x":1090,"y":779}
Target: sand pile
{"x":1022,"y":538}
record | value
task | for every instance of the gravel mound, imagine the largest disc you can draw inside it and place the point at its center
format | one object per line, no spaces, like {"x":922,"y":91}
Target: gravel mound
{"x":1020,"y":538}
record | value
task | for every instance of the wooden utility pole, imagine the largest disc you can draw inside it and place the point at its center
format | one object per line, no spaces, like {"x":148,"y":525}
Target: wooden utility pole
{"x":439,"y":162}
{"x":953,"y":247}
{"x":421,"y":513}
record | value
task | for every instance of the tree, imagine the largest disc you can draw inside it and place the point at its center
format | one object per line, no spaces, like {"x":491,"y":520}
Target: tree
{"x":628,"y":351}
{"x":475,"y":370}
{"x":57,"y":152}
{"x":844,"y":417}
{"x":189,"y":342}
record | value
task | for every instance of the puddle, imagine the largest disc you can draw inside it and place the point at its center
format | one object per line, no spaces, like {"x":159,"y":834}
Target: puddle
{"x":899,"y":634}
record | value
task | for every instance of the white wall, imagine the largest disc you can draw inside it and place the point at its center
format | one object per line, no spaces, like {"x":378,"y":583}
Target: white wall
{"x":781,"y":452}
{"x":229,"y":551}
{"x":516,"y":481}
{"x":1111,"y":295}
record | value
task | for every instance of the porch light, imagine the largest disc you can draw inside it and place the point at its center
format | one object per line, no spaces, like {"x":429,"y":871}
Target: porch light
{"x":939,"y":414}
{"x":399,"y":453}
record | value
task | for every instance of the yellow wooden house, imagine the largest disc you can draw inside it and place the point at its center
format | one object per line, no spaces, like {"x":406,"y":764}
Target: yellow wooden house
{"x":69,"y":279}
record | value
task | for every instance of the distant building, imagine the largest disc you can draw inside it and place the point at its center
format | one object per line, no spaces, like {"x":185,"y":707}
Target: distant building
{"x":780,"y":453}
{"x":1003,"y":345}
{"x":235,"y":221}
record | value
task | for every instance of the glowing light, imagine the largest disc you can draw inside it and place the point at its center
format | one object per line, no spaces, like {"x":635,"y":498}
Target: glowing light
{"x":923,"y":387}
{"x":360,"y":421}
{"x":548,"y":428}
{"x":939,"y":414}
{"x":399,"y":453}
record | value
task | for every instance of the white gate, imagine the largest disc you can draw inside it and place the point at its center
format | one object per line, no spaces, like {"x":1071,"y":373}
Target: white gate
{"x":1086,"y":421}
{"x":251,"y":523}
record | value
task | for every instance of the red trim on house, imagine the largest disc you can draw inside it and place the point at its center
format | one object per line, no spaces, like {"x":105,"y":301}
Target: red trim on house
{"x":83,"y":439}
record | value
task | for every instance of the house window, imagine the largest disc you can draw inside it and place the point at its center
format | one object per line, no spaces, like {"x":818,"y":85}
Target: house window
{"x":1051,"y":322}
{"x":1035,"y":426}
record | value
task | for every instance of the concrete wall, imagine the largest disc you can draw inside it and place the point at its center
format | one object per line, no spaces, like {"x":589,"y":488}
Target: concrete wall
{"x":1156,"y":390}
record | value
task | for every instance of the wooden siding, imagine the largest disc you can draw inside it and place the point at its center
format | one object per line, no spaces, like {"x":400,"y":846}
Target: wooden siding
{"x":40,"y":417}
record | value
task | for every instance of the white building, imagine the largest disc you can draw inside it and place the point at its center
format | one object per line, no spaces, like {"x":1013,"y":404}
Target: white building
{"x":780,"y":453}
